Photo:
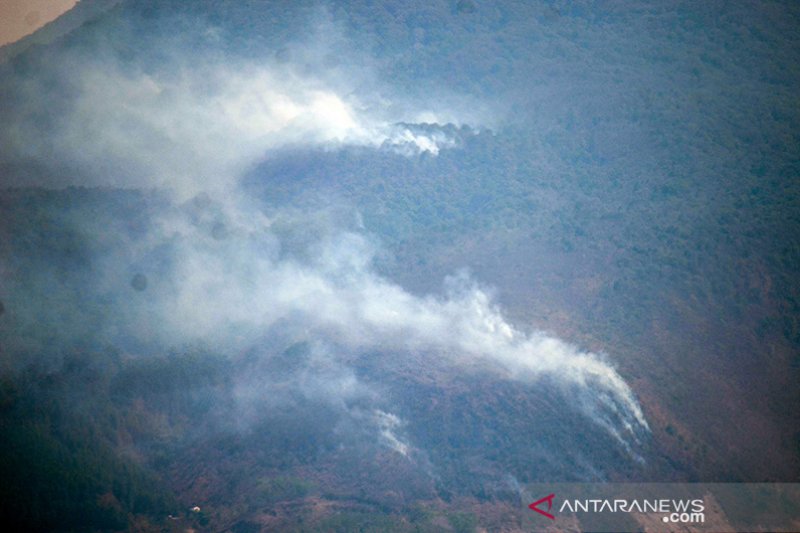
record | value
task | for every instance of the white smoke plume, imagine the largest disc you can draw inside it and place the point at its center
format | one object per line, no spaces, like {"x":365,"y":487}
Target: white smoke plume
{"x":197,"y":126}
{"x":228,"y":291}
{"x":388,"y":425}
{"x":194,"y":124}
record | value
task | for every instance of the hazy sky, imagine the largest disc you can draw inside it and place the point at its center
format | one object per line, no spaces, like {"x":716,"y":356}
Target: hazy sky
{"x":19,"y":18}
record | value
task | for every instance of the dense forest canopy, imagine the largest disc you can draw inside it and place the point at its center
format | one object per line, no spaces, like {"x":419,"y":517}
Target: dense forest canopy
{"x":329,"y":265}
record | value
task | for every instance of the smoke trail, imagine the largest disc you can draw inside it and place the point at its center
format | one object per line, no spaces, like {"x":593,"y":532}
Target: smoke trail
{"x":217,"y":269}
{"x":227,"y":291}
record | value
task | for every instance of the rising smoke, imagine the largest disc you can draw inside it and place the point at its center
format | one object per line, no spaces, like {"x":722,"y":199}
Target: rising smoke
{"x":212,"y":267}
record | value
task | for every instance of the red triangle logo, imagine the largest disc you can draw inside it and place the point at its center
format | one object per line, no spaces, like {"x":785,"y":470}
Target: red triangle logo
{"x":535,"y":506}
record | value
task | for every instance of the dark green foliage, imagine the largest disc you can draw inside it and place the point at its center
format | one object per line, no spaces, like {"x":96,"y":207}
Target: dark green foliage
{"x":59,"y":459}
{"x":637,"y":188}
{"x":364,"y":522}
{"x":272,"y":490}
{"x":462,"y":522}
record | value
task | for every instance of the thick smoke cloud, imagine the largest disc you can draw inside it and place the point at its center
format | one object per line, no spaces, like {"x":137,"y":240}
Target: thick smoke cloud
{"x":193,"y":123}
{"x":226,"y":275}
{"x":214,"y":268}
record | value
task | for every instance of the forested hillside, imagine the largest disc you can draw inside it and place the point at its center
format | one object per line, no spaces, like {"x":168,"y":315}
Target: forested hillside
{"x":327,"y":265}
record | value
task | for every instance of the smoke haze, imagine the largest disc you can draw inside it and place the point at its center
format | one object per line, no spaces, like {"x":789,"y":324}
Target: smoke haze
{"x":209,"y":266}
